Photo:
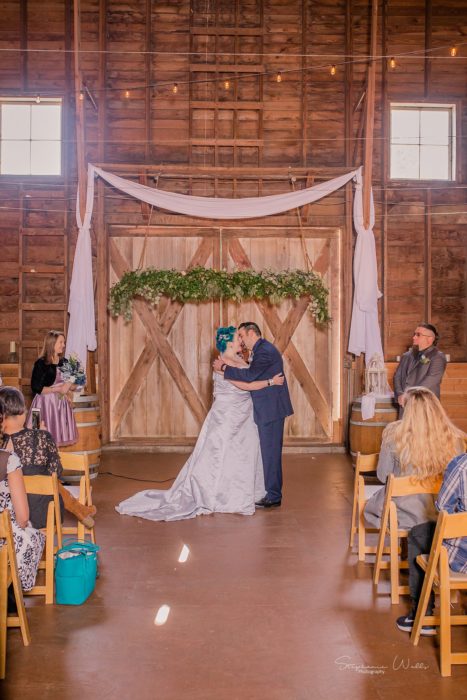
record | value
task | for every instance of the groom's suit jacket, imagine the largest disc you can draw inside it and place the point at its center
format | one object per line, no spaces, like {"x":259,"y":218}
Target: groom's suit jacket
{"x":414,"y":371}
{"x":273,"y":402}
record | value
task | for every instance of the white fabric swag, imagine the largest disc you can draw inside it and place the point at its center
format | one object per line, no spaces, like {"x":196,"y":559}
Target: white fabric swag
{"x":81,"y":330}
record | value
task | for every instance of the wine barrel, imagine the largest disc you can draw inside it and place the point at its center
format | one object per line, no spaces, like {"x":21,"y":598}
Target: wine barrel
{"x":88,"y":420}
{"x":365,"y":435}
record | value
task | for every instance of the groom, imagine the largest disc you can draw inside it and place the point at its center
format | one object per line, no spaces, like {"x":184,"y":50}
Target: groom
{"x":271,"y":405}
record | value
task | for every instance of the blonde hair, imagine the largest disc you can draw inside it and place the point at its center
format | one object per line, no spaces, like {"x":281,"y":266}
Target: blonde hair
{"x":425,"y":439}
{"x":48,"y":349}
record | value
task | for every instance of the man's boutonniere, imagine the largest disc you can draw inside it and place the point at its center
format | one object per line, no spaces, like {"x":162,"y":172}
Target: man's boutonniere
{"x":424,"y":360}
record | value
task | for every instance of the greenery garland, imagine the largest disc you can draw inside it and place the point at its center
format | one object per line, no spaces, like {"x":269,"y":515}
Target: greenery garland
{"x":202,"y":284}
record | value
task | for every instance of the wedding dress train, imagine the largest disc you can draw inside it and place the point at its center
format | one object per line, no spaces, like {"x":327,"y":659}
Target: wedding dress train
{"x":224,"y":473}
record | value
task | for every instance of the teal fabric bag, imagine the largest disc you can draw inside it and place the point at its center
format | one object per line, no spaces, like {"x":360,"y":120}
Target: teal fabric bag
{"x":75,"y":572}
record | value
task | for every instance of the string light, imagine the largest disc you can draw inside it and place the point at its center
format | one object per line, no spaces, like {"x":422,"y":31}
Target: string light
{"x":175,"y":88}
{"x":38,"y":99}
{"x":453,"y":51}
{"x":333,"y":70}
{"x":392,"y":63}
{"x":81,"y":95}
{"x":226,"y":84}
{"x":279,"y":77}
{"x":127,"y":94}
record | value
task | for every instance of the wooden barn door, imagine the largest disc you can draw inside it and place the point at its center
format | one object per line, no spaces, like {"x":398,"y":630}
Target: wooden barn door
{"x":160,"y":377}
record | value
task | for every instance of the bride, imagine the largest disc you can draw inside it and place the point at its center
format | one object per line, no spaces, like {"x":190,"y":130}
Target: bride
{"x":224,"y":473}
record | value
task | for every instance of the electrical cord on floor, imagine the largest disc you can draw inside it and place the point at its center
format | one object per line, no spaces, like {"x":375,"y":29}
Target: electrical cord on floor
{"x":134,"y":478}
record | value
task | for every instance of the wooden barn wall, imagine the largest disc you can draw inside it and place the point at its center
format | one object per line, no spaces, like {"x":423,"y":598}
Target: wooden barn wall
{"x":310,"y":122}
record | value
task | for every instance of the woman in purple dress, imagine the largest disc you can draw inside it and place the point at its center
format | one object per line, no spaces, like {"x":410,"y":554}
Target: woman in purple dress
{"x":51,"y":392}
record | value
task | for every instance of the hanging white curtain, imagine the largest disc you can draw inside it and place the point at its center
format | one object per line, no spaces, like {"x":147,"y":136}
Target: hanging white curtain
{"x":364,"y":336}
{"x":220,"y":208}
{"x":81,"y":335}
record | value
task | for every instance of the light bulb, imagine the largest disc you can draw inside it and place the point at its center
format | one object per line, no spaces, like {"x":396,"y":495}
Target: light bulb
{"x":392,"y":62}
{"x":453,"y":51}
{"x":333,"y":70}
{"x":38,"y":99}
{"x":226,"y":84}
{"x":175,"y":88}
{"x":127,"y":94}
{"x":279,"y":77}
{"x":81,"y":95}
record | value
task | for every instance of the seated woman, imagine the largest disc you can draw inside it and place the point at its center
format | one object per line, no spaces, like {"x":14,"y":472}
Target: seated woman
{"x":38,"y":454}
{"x":422,"y":443}
{"x":51,"y":392}
{"x":29,"y":542}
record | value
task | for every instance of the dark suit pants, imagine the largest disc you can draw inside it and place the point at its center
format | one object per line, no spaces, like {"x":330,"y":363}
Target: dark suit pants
{"x":271,"y":436}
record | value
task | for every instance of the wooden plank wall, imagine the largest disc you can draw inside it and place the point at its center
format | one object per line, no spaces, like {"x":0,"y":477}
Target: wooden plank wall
{"x":310,"y":122}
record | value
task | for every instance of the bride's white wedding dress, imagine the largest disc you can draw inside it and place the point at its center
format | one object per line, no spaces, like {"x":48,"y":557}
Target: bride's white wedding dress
{"x":224,"y":473}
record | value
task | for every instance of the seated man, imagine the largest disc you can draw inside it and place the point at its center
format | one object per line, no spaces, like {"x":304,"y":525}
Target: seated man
{"x":423,"y":365}
{"x":452,"y":498}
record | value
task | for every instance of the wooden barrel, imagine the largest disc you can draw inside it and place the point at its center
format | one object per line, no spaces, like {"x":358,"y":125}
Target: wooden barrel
{"x":88,"y":420}
{"x":365,"y":435}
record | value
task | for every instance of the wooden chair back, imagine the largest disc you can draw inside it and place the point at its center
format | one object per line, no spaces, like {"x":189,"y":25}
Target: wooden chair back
{"x":9,"y":576}
{"x":439,"y":575}
{"x":365,"y":464}
{"x":79,"y":463}
{"x":396,"y":487}
{"x":47,"y":486}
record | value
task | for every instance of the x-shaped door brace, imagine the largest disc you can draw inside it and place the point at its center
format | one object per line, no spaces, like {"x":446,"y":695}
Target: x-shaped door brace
{"x":158,"y":323}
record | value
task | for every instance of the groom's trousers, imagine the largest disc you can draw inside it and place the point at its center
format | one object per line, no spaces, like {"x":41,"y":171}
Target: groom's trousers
{"x":271,"y":436}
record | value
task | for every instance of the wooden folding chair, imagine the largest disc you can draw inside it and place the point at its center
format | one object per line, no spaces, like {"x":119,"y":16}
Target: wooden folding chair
{"x":365,"y":466}
{"x":444,"y":580}
{"x":80,"y":464}
{"x":47,"y":486}
{"x":9,"y":576}
{"x":395,"y":487}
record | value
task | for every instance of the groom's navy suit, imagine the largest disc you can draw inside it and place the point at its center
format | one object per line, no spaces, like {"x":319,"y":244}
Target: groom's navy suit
{"x":270,"y":408}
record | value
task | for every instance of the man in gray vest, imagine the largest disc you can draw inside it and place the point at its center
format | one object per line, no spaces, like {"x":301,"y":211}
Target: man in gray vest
{"x":423,"y":365}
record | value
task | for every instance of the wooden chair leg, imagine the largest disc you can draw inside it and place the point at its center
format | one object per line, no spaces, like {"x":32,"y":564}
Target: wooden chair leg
{"x":3,"y":608}
{"x":353,"y":524}
{"x":394,"y":556}
{"x":379,"y":554}
{"x":49,"y":566}
{"x":445,"y":618}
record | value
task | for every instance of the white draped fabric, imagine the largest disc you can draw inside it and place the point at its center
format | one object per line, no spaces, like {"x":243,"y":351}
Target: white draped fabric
{"x":81,"y":334}
{"x":365,"y":334}
{"x":222,"y":208}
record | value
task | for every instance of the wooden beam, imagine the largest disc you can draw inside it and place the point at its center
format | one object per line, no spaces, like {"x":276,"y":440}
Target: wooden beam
{"x":370,"y":116}
{"x":102,"y":277}
{"x":254,"y":69}
{"x":79,"y":109}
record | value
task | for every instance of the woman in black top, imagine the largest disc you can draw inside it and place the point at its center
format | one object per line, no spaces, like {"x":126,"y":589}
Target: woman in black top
{"x":51,"y":392}
{"x":38,"y":454}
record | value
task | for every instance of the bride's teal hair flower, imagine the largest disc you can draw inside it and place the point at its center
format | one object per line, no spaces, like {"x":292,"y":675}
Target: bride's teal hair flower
{"x":224,"y":336}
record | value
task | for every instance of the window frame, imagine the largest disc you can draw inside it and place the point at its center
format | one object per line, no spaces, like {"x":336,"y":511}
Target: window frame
{"x":455,"y":108}
{"x":32,"y":100}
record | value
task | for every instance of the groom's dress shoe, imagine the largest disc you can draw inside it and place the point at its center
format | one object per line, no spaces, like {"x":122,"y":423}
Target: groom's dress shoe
{"x":266,"y":503}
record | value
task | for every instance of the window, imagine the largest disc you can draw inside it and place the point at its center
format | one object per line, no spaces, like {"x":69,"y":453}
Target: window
{"x":30,"y":136}
{"x":423,"y":141}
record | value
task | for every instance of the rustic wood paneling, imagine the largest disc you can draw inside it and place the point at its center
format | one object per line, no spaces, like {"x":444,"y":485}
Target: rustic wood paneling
{"x":222,"y":141}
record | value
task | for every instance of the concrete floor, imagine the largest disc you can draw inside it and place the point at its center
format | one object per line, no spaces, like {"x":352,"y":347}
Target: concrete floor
{"x":269,"y":606}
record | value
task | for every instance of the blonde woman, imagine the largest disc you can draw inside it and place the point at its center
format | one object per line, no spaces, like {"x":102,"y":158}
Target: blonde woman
{"x":422,"y":443}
